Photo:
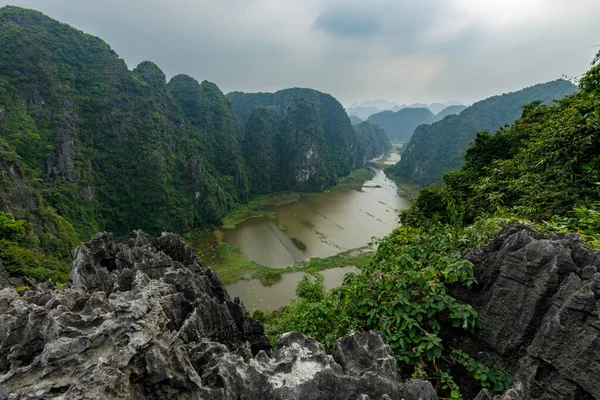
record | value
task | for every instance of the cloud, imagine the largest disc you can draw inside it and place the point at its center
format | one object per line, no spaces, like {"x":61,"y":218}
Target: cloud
{"x":349,"y":21}
{"x":402,"y":50}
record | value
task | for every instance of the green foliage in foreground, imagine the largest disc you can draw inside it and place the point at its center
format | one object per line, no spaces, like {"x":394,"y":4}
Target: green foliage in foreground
{"x":402,"y":293}
{"x":20,"y":256}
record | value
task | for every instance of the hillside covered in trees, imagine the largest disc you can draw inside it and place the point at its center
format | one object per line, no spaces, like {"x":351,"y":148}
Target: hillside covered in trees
{"x":543,"y":170}
{"x":87,"y":145}
{"x":400,"y":125}
{"x":438,"y":148}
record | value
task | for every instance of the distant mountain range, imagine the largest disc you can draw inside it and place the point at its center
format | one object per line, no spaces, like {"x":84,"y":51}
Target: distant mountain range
{"x":367,"y":108}
{"x":400,"y":125}
{"x":438,"y":148}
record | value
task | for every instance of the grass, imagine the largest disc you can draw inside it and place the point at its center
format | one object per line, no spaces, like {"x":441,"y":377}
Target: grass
{"x":257,"y":208}
{"x":357,"y":258}
{"x":232,"y":266}
{"x":354,"y":181}
{"x":282,"y":227}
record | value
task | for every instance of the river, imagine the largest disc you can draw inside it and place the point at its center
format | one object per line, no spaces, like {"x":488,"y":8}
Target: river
{"x":268,"y":298}
{"x":321,"y":225}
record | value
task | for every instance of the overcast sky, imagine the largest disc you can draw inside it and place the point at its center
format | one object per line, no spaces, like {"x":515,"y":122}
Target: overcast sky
{"x":399,"y":50}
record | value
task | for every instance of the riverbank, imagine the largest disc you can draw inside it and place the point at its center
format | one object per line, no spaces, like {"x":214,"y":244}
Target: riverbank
{"x":261,"y":206}
{"x":310,"y":231}
{"x":410,"y":189}
{"x":232,"y":266}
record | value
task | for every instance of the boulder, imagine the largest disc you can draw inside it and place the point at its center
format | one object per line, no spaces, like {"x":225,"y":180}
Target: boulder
{"x":538,"y":299}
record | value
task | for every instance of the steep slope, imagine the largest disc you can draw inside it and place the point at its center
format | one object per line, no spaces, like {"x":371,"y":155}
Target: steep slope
{"x":354,"y":120}
{"x":400,"y":125}
{"x":372,"y":141}
{"x":209,"y":111}
{"x":88,"y":144}
{"x":450,"y":110}
{"x":438,"y":148}
{"x":262,"y":149}
{"x":338,"y":133}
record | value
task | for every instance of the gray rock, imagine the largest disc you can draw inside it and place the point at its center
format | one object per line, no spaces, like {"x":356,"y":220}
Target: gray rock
{"x":538,"y":299}
{"x":143,"y":319}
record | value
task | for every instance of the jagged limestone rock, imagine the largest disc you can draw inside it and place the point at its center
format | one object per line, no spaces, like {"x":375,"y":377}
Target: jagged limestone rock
{"x":143,"y":319}
{"x":538,"y":298}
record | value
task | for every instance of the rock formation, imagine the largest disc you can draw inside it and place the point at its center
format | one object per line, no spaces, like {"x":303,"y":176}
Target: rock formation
{"x":143,"y":319}
{"x":538,"y":300}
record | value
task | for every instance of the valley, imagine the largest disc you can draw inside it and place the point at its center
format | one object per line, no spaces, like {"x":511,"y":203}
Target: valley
{"x":163,"y":239}
{"x":285,"y":238}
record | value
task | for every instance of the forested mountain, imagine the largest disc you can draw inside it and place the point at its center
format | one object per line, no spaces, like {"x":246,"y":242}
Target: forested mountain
{"x":286,"y":147}
{"x":450,"y":110}
{"x":87,"y":145}
{"x":372,"y":141}
{"x":400,"y":125}
{"x":438,"y":148}
{"x":340,"y":139}
{"x":354,"y":120}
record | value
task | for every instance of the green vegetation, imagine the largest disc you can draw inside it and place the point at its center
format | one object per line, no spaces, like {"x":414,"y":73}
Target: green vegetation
{"x":438,"y":148}
{"x":231,"y":265}
{"x":87,"y":145}
{"x":372,"y":141}
{"x":293,"y":130}
{"x":400,"y":125}
{"x":20,"y":254}
{"x":258,"y":207}
{"x":543,"y":170}
{"x":354,"y":181}
{"x":354,"y":120}
{"x":402,"y":292}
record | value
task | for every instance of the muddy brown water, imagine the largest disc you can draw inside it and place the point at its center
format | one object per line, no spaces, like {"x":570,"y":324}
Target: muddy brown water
{"x":317,"y":226}
{"x":322,"y":225}
{"x":268,"y":298}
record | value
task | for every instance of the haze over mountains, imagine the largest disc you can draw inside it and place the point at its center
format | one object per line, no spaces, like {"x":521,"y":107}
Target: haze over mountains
{"x":367,"y":108}
{"x":438,"y":148}
{"x":400,"y":125}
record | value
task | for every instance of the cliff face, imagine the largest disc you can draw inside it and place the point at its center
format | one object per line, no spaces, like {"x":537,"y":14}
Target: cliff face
{"x":144,"y":319}
{"x":340,"y":139}
{"x":538,"y":299}
{"x":372,"y":142}
{"x":439,"y":147}
{"x":112,"y":148}
{"x":287,"y":149}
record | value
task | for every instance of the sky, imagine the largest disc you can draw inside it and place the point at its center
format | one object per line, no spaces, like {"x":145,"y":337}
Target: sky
{"x":404,"y":51}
